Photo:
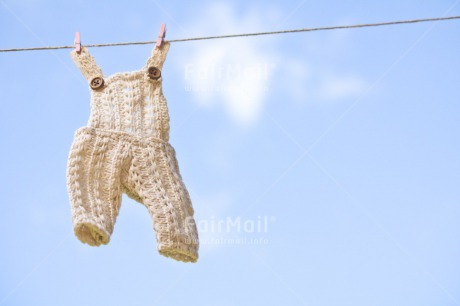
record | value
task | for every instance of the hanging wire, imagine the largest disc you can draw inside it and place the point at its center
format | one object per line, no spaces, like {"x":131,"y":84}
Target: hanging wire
{"x":243,"y":34}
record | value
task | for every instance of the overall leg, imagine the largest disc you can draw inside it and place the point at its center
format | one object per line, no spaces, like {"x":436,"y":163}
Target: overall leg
{"x":151,"y":178}
{"x":178,"y":189}
{"x":93,"y":183}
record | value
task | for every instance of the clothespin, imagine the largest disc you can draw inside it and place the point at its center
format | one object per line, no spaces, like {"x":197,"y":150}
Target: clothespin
{"x":77,"y":42}
{"x":161,"y":35}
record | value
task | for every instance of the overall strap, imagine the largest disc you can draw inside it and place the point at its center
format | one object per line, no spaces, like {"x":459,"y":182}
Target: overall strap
{"x":86,"y":63}
{"x":158,"y":56}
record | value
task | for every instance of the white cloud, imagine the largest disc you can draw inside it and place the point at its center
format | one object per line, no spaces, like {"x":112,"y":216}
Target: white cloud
{"x":240,"y":74}
{"x":235,"y":72}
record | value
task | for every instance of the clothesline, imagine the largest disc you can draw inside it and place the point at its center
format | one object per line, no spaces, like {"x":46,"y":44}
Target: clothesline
{"x":242,"y":35}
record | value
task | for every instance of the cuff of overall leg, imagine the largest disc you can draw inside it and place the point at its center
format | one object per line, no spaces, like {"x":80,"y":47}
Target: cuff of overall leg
{"x":180,"y":251}
{"x":90,"y":233}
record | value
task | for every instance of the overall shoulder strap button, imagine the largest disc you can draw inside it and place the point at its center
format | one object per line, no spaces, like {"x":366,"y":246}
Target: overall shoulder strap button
{"x":97,"y":83}
{"x":154,"y":73}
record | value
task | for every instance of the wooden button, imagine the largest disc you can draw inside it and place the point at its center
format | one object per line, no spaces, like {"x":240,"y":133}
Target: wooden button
{"x":97,"y":83}
{"x":154,"y":73}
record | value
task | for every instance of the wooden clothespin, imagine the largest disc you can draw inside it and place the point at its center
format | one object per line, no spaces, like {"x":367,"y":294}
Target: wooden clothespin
{"x":77,"y":42}
{"x":161,"y":35}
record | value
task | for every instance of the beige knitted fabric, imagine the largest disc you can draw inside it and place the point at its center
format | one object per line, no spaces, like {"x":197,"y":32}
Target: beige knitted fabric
{"x":125,"y":149}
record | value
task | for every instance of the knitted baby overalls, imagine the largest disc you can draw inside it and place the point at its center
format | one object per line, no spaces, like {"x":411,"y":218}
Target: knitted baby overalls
{"x":125,"y":149}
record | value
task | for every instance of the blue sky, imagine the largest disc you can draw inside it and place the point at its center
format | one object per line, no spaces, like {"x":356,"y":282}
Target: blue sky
{"x":346,"y":142}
